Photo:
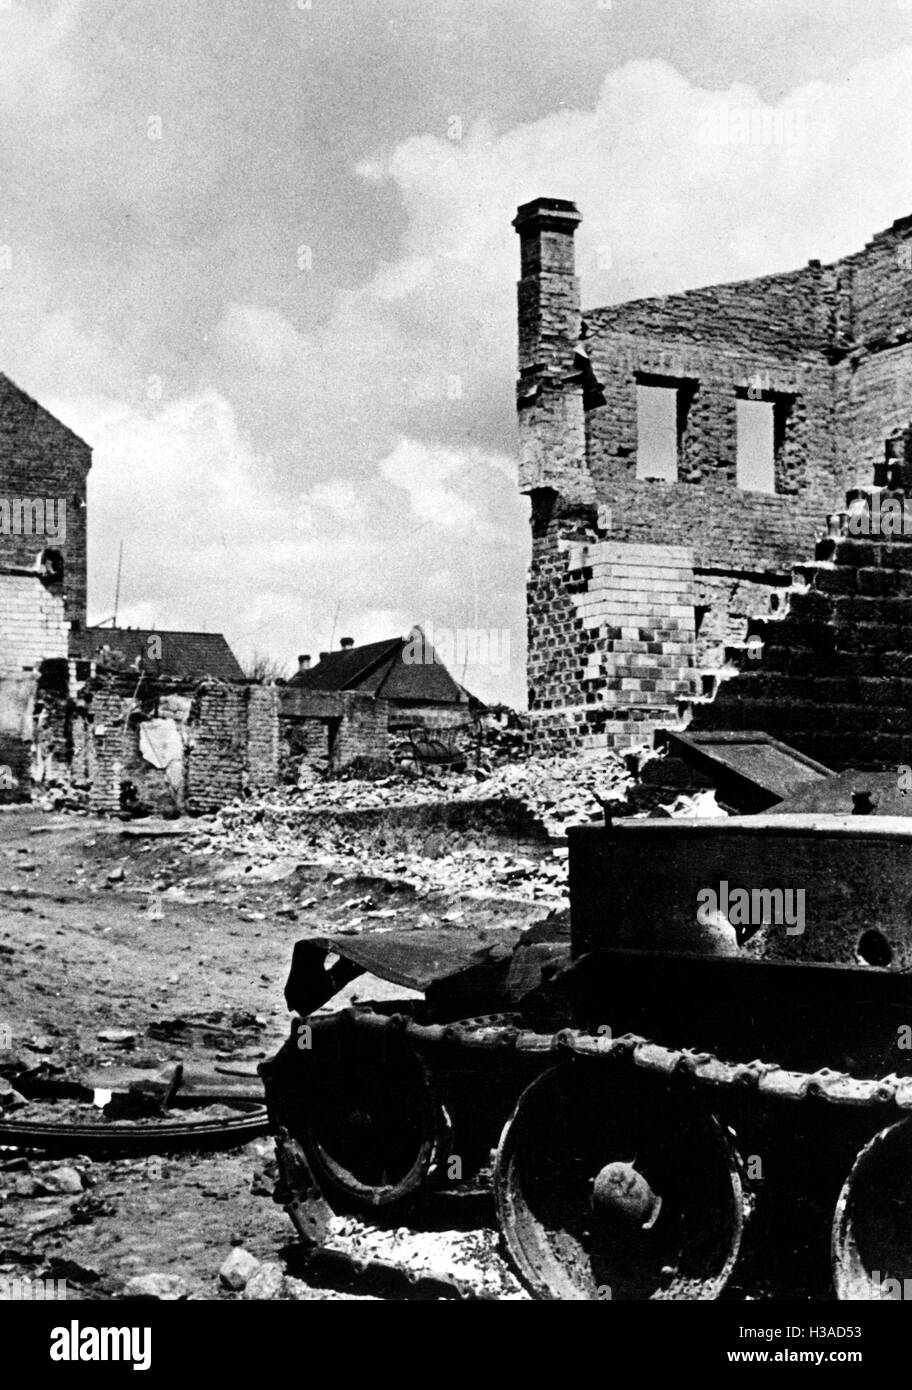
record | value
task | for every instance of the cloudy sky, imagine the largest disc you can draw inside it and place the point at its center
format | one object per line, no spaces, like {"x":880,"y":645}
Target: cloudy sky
{"x":258,"y":254}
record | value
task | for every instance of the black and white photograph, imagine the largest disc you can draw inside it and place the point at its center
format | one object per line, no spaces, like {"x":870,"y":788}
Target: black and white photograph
{"x":455,"y":668}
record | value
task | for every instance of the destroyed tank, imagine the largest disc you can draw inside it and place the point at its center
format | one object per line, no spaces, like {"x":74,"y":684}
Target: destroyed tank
{"x":704,"y":1089}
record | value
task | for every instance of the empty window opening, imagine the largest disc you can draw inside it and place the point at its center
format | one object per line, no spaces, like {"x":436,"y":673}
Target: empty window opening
{"x":761,"y":434}
{"x":658,"y":432}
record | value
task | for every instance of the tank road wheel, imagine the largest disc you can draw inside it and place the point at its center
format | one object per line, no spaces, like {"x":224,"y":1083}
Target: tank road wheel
{"x":369,"y":1122}
{"x":872,"y":1227}
{"x":620,"y":1189}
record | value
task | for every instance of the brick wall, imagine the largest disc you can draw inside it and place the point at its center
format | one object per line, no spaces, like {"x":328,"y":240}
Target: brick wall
{"x":549,"y":391}
{"x":17,"y":702}
{"x":110,"y":744}
{"x":611,"y":650}
{"x":41,"y":458}
{"x":234,"y":743}
{"x":32,"y":622}
{"x":262,"y":752}
{"x":363,"y":731}
{"x":230,"y":734}
{"x":331,"y":729}
{"x":830,"y":346}
{"x":834,"y":674}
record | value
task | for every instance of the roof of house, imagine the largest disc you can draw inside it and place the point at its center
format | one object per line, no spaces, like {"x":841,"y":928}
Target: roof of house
{"x":187,"y":655}
{"x":8,"y":388}
{"x":385,"y":670}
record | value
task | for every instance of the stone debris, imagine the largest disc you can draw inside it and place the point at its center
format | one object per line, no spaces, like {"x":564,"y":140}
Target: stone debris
{"x":539,"y":798}
{"x":556,"y":791}
{"x":165,"y":1288}
{"x":57,"y":1182}
{"x":10,"y":1098}
{"x":267,"y":1282}
{"x":239,"y":1267}
{"x":431,"y":840}
{"x":470,"y":1257}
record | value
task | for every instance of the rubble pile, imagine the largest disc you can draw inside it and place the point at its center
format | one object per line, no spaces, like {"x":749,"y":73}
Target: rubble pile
{"x":543,"y":796}
{"x":562,"y":791}
{"x":556,"y":791}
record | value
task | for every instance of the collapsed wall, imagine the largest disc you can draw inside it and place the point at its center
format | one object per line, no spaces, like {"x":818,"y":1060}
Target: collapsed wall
{"x":172,"y":746}
{"x":331,"y":731}
{"x":831,"y":672}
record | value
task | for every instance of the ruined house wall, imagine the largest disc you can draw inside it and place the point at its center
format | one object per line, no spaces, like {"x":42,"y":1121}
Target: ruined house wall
{"x":262,"y":751}
{"x":873,"y":334}
{"x":230,"y":736}
{"x":109,"y":745}
{"x":363,"y":731}
{"x":430,"y":717}
{"x":17,"y":701}
{"x":41,"y":458}
{"x":729,"y":528}
{"x":234,"y":743}
{"x":829,"y":345}
{"x":331,"y":729}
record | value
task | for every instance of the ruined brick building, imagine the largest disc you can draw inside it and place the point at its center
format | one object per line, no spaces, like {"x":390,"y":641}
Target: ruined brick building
{"x":44,"y":470}
{"x":77,"y":703}
{"x":681,"y":455}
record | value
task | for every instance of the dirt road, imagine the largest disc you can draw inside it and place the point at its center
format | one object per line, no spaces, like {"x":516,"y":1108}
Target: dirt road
{"x":178,"y":951}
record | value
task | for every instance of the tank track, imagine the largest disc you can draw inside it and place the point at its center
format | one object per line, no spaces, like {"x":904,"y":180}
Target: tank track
{"x":887,"y":1099}
{"x":499,"y":1033}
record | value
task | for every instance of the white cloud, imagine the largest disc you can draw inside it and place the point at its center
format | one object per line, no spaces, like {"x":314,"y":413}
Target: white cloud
{"x":423,"y":472}
{"x":352,"y":454}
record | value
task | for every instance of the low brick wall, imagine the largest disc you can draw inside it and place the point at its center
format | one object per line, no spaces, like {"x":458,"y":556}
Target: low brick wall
{"x":230,"y":735}
{"x":331,"y":730}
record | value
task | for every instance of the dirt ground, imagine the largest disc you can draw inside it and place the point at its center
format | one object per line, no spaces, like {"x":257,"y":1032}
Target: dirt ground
{"x":143,"y":930}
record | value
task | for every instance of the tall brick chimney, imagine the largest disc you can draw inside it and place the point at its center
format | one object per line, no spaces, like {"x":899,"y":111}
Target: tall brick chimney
{"x":304,"y":662}
{"x":549,"y":394}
